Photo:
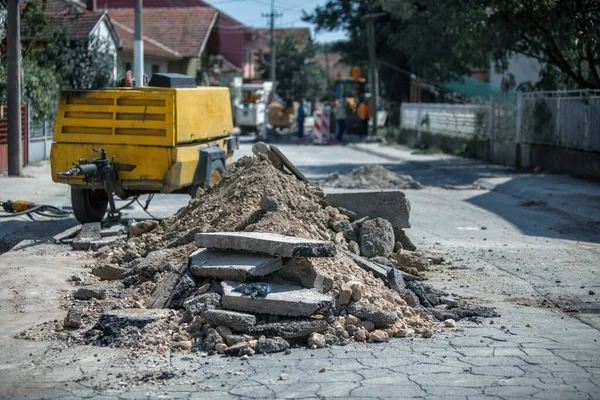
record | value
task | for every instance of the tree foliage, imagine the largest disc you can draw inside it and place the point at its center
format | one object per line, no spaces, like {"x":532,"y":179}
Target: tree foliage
{"x":444,"y":39}
{"x":51,"y":61}
{"x":297,"y":77}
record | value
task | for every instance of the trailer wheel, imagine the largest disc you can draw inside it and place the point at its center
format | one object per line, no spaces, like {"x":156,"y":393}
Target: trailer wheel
{"x":88,"y":205}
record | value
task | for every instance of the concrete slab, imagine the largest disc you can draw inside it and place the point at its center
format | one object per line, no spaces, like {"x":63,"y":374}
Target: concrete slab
{"x":89,"y":233}
{"x":115,"y":230}
{"x":288,"y":300}
{"x":237,"y":321}
{"x":68,"y":234}
{"x":266,"y":243}
{"x":231,"y":265}
{"x":109,"y":272}
{"x":387,"y":204}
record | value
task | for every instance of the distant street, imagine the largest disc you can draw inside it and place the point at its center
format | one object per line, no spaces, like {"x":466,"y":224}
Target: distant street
{"x":527,"y":244}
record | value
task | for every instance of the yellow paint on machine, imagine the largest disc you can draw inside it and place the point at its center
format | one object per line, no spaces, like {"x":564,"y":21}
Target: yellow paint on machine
{"x":159,"y":130}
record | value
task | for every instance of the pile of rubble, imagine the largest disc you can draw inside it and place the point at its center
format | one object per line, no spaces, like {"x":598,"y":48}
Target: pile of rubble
{"x":258,"y":263}
{"x":372,"y":176}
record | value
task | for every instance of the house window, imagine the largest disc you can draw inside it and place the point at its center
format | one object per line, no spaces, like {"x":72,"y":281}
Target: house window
{"x":127,"y":66}
{"x":155,"y":68}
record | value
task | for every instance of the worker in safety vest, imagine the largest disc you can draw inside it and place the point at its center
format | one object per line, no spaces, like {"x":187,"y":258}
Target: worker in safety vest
{"x":364,"y":113}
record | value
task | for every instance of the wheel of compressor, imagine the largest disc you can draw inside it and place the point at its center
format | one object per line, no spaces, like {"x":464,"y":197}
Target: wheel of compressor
{"x":88,"y":205}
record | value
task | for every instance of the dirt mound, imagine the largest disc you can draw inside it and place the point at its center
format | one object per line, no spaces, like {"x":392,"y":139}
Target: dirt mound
{"x":371,"y":177}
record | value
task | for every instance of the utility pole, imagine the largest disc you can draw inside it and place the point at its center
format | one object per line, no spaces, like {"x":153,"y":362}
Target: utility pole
{"x":138,"y":45}
{"x":372,"y":67}
{"x":272,"y":44}
{"x":15,"y":155}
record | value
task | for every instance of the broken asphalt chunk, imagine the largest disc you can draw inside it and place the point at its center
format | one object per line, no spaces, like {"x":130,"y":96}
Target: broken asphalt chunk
{"x":266,"y":243}
{"x":288,"y":300}
{"x":231,"y":265}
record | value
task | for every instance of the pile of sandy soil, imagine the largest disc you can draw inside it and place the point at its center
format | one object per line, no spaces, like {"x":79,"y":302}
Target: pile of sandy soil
{"x":252,"y":196}
{"x":371,"y":177}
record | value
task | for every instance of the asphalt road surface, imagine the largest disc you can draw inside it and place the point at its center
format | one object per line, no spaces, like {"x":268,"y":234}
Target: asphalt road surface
{"x":527,"y":244}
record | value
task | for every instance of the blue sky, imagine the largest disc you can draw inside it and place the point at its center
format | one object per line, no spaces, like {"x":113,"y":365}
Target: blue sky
{"x":249,"y":12}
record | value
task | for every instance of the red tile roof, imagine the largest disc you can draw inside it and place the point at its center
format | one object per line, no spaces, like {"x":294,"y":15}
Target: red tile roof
{"x":74,"y":14}
{"x":173,"y":30}
{"x":112,"y":4}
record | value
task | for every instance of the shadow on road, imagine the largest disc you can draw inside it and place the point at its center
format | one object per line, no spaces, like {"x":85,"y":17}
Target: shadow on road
{"x":538,"y":208}
{"x":14,"y":231}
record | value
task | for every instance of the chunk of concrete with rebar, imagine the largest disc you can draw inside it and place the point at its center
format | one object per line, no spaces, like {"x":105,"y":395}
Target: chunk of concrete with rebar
{"x":266,"y":243}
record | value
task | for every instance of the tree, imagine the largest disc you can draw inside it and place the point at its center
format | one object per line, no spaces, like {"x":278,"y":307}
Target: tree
{"x":444,"y":39}
{"x":297,"y":77}
{"x":52,"y":61}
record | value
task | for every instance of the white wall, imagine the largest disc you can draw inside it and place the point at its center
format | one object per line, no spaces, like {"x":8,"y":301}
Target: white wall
{"x":102,"y":32}
{"x":149,"y":61}
{"x":525,"y":69}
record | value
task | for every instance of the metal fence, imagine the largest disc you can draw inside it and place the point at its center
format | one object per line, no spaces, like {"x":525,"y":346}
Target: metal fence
{"x":568,"y":119}
{"x":559,"y":118}
{"x":460,"y":120}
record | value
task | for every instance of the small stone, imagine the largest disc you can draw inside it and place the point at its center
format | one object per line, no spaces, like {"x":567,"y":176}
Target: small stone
{"x":357,"y":290}
{"x":142,"y":227}
{"x":353,"y":247}
{"x":427,"y":334}
{"x":224,"y":331}
{"x":316,"y":339}
{"x":73,"y":319}
{"x":220,"y":348}
{"x":288,"y":352}
{"x":352,"y":320}
{"x":183,"y":345}
{"x":378,"y":336}
{"x":244,"y":357}
{"x":369,"y":312}
{"x":367,"y":325}
{"x":345,"y":294}
{"x":360,"y":335}
{"x":284,"y":377}
{"x":376,"y":238}
{"x":450,"y":323}
{"x":591,"y":292}
{"x":234,"y":339}
{"x":272,"y":345}
{"x":323,"y":369}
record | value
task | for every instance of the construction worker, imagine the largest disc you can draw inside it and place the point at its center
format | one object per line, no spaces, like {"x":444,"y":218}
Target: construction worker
{"x":339,"y":111}
{"x":364,"y":113}
{"x":300,"y":119}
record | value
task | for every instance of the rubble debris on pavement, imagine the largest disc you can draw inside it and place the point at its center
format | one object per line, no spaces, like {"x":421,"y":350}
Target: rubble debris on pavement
{"x":371,"y":176}
{"x":257,"y":263}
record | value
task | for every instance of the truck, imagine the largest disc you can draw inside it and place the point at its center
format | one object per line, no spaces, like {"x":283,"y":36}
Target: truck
{"x":351,"y":89}
{"x":169,"y":137}
{"x":250,"y":111}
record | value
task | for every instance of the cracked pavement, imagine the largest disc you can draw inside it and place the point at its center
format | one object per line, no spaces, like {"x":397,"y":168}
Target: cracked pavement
{"x":542,"y":261}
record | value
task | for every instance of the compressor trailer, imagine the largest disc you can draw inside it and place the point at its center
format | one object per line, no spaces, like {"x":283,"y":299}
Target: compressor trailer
{"x":170,"y":137}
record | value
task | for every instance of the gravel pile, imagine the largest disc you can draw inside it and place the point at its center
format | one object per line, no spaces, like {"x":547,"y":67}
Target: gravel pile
{"x":372,"y":176}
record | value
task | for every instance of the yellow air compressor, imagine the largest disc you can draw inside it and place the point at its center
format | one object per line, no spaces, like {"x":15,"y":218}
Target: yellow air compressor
{"x":170,"y":137}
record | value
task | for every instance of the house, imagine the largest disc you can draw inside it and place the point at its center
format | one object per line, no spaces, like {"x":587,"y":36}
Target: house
{"x":185,"y":36}
{"x":84,"y":22}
